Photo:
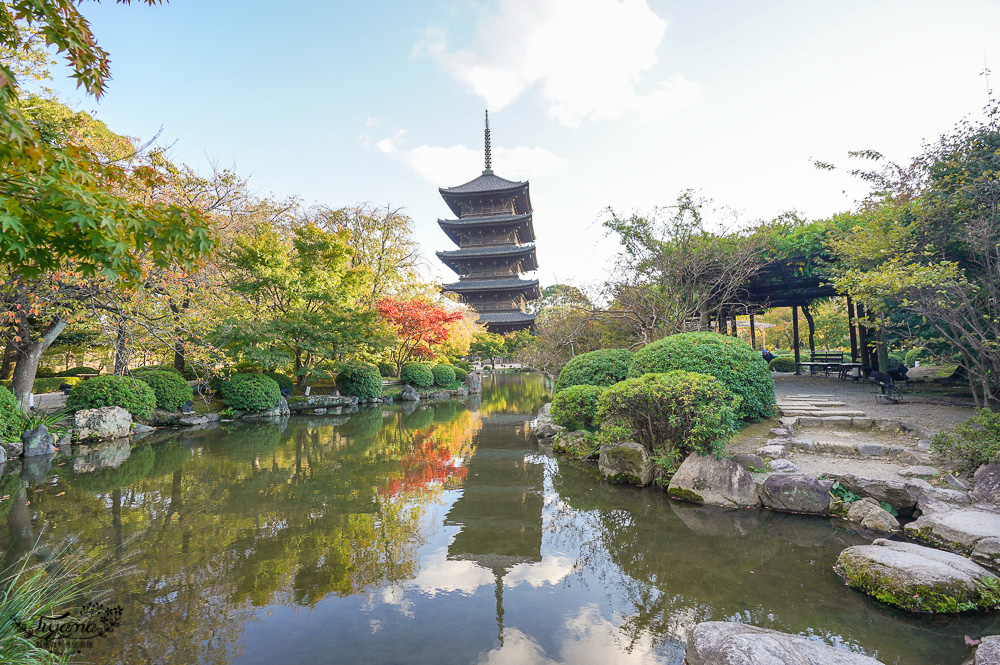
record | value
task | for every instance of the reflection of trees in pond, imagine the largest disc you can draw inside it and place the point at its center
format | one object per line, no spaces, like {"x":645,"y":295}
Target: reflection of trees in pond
{"x":8,"y":488}
{"x":169,"y":457}
{"x":445,"y":411}
{"x":422,"y":417}
{"x":514,"y":393}
{"x":247,"y":441}
{"x":435,"y":454}
{"x":364,"y":424}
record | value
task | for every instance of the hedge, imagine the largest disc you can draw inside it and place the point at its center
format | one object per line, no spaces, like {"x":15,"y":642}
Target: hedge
{"x":576,"y":407}
{"x":460,"y":373}
{"x":170,"y":388}
{"x":444,"y":375}
{"x":359,"y":378}
{"x":671,"y":414}
{"x":387,"y":369}
{"x":46,"y":385}
{"x":913,"y":355}
{"x":783,"y":364}
{"x":596,"y":368}
{"x":79,"y":369}
{"x":417,"y":374}
{"x":250,"y":393}
{"x":737,"y":365}
{"x":132,"y":394}
{"x":12,"y":421}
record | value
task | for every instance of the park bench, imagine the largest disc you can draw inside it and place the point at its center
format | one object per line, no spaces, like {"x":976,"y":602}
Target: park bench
{"x":825,"y":361}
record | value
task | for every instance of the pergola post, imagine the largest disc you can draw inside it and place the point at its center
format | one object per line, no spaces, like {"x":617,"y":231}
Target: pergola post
{"x":795,"y":337}
{"x":753,"y":334}
{"x":854,"y":333}
{"x":863,"y":337}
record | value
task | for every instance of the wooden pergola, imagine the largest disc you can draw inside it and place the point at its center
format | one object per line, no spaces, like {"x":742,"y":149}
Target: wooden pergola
{"x":784,"y":283}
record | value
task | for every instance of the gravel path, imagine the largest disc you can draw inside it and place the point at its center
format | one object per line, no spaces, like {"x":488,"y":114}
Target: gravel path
{"x":930,"y":411}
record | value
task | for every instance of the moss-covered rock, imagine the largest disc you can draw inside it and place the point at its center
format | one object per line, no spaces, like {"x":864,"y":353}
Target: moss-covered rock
{"x":626,"y":462}
{"x":917,"y":578}
{"x":579,"y":444}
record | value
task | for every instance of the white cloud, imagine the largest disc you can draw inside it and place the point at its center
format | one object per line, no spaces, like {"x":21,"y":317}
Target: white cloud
{"x":586,"y":56}
{"x":548,"y":571}
{"x":454,"y":165}
{"x":371,"y":121}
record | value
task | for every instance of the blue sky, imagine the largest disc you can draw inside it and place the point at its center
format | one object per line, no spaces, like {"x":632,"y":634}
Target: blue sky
{"x":598,"y":103}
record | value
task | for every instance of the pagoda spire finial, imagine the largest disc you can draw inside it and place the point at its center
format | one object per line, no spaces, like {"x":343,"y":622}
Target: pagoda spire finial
{"x":489,"y":158}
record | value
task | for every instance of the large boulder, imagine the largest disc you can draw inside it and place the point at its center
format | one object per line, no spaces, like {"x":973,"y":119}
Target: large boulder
{"x":107,"y":422}
{"x":577,"y":444}
{"x":441,"y":394}
{"x":474,"y":382}
{"x":872,"y":516}
{"x":917,"y":578}
{"x":729,"y":643}
{"x":750,"y":461}
{"x":626,"y":462}
{"x":279,"y":410}
{"x":974,"y":533}
{"x":986,"y":483}
{"x":713,"y":481}
{"x":409,"y":394}
{"x":37,"y":441}
{"x":795,"y":493}
{"x":901,"y":495}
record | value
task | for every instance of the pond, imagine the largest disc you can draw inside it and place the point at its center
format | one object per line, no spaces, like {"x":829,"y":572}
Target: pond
{"x":435,"y":533}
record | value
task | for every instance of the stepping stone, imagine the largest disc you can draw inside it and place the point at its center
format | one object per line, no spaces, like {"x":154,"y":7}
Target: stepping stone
{"x":773,"y":451}
{"x":918,"y":472}
{"x":917,"y":578}
{"x":783,"y":466}
{"x":975,"y":533}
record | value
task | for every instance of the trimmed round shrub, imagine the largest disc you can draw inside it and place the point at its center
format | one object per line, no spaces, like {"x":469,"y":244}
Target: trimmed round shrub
{"x":913,"y":355}
{"x":44,"y":373}
{"x":783,"y":364}
{"x":170,"y":388}
{"x":284,"y":382}
{"x":444,"y":375}
{"x":78,"y":370}
{"x":249,"y":393}
{"x":737,"y":365}
{"x":387,"y":369}
{"x":248,"y":368}
{"x":162,"y":368}
{"x":463,"y":364}
{"x":12,"y":421}
{"x":596,"y":368}
{"x":460,"y":373}
{"x":671,"y":414}
{"x":358,"y":378}
{"x":417,"y":374}
{"x":576,"y":407}
{"x":130,"y":393}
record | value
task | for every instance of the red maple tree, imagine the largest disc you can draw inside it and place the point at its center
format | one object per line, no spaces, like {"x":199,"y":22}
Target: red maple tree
{"x":420,"y":325}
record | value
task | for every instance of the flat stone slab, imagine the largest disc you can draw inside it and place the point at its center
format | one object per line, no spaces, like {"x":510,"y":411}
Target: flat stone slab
{"x":729,"y":643}
{"x":918,"y":472}
{"x":917,"y":578}
{"x":975,"y":533}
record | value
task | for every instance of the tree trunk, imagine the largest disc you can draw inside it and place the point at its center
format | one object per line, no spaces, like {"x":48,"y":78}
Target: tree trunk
{"x":9,"y":354}
{"x":812,"y":330}
{"x":121,"y":350}
{"x":28,"y":357}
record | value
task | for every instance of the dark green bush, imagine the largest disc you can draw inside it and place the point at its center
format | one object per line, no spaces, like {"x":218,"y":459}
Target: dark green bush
{"x":417,"y":374}
{"x":596,"y":368}
{"x":576,"y":407}
{"x":895,"y":360}
{"x":250,"y":393}
{"x":162,"y":368}
{"x":12,"y":421}
{"x":671,"y":414}
{"x":913,"y":355}
{"x":77,"y":371}
{"x":783,"y":364}
{"x":284,"y":382}
{"x":387,"y":369}
{"x":463,"y":364}
{"x":358,"y":378}
{"x":460,"y":373}
{"x":132,"y":394}
{"x":44,"y":373}
{"x":248,"y":368}
{"x":190,"y":373}
{"x":737,"y":365}
{"x":975,"y":442}
{"x":170,"y":388}
{"x":444,"y":375}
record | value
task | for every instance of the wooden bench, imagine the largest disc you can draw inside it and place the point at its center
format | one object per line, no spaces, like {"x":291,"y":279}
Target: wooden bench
{"x":826,"y":362}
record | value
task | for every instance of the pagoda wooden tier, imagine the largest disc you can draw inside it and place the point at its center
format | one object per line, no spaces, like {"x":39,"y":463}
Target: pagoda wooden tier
{"x":495,"y":239}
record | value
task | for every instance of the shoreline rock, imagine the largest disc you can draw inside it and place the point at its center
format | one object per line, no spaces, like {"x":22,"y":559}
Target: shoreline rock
{"x":730,"y":643}
{"x":713,"y":481}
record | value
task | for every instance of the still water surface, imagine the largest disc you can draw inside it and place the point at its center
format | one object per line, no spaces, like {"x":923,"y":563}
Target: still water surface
{"x":440,"y":535}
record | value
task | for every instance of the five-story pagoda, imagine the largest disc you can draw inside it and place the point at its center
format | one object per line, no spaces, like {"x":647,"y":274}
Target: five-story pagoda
{"x":495,"y":240}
